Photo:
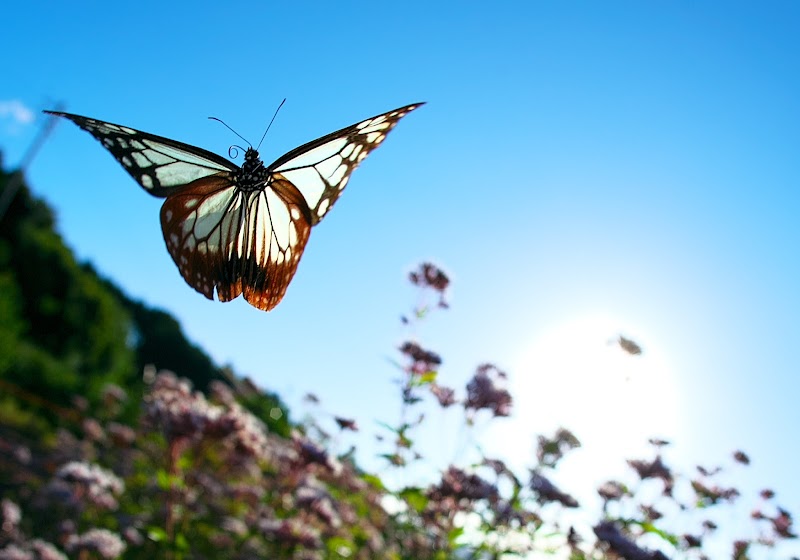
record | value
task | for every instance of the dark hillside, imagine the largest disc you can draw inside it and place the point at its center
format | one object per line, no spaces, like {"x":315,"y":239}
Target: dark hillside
{"x":66,"y":331}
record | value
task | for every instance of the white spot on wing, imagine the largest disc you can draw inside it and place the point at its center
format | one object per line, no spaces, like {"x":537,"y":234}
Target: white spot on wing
{"x":308,"y":182}
{"x":210,"y":212}
{"x":323,"y":207}
{"x":141,"y":160}
{"x":280,"y":218}
{"x":338,"y":175}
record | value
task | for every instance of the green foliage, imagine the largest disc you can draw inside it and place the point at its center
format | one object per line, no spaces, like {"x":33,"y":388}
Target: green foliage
{"x":64,"y":333}
{"x":65,"y":330}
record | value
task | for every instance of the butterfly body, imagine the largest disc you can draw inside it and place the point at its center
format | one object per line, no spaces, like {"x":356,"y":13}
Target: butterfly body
{"x":235,"y":230}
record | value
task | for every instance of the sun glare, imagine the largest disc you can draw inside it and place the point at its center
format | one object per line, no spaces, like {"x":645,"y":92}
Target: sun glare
{"x":579,"y":376}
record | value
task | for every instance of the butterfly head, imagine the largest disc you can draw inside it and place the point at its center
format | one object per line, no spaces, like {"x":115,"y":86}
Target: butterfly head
{"x":252,"y":173}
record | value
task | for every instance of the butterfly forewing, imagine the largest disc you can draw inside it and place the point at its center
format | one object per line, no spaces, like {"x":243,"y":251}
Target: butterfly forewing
{"x":234,"y":231}
{"x":158,"y":164}
{"x":321,"y":168}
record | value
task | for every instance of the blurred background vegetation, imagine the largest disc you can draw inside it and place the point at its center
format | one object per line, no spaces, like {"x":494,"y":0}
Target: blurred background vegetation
{"x":104,"y":456}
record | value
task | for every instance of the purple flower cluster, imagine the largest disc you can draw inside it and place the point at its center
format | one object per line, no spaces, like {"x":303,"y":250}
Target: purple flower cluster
{"x":89,"y":483}
{"x":104,"y":543}
{"x":181,"y":413}
{"x":484,"y":391}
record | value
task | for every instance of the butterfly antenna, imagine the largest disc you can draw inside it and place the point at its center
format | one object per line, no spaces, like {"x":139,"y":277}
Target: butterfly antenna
{"x":229,"y":128}
{"x":270,"y":122}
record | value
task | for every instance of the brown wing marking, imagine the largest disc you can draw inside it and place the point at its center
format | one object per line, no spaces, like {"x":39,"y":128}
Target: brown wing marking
{"x":202,"y":226}
{"x":279,"y":223}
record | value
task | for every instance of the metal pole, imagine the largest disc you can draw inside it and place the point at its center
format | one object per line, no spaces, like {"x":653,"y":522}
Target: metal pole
{"x":15,"y":180}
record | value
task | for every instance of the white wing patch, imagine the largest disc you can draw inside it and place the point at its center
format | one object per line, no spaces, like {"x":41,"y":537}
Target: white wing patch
{"x":158,"y":164}
{"x":321,"y":169}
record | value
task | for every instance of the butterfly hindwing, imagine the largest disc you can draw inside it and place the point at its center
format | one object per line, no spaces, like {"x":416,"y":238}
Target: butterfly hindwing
{"x":158,"y":164}
{"x":241,"y":230}
{"x":232,"y":241}
{"x":321,"y":168}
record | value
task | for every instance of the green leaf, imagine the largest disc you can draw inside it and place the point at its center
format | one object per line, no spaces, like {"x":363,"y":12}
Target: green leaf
{"x":424,"y":378}
{"x":454,"y":534}
{"x":373,"y":481}
{"x":340,"y":548}
{"x":181,"y":543}
{"x":415,"y":498}
{"x":648,"y":527}
{"x":156,"y":534}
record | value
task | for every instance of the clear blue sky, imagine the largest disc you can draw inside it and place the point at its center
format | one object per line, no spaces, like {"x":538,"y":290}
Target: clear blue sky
{"x":637,"y":160}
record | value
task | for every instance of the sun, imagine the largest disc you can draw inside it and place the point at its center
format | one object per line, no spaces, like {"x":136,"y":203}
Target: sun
{"x":576,"y":375}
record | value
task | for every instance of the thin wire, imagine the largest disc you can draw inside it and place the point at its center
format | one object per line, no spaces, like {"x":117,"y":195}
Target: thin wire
{"x":15,"y":180}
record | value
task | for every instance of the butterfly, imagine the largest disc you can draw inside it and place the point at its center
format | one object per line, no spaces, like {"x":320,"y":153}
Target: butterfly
{"x":241,"y":230}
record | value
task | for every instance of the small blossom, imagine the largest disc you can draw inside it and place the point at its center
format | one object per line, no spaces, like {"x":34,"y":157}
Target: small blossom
{"x":460,"y":485}
{"x":234,"y":526}
{"x":612,"y":490}
{"x":22,"y":454}
{"x":221,"y":393}
{"x":546,"y":491}
{"x":654,"y":469}
{"x":483,"y":391}
{"x":741,"y":457}
{"x":573,"y":538}
{"x":43,"y":550}
{"x":445,"y":395}
{"x":629,"y":346}
{"x":651,"y":513}
{"x":247,"y":433}
{"x":114,"y":393}
{"x":132,"y":536}
{"x":92,"y":429}
{"x":713,"y":494}
{"x":311,"y":496}
{"x":708,"y":472}
{"x":92,"y":482}
{"x":290,"y":532}
{"x":740,"y":550}
{"x":431,"y":276}
{"x":121,"y":435}
{"x":176,"y":409}
{"x":311,"y":453}
{"x":782,"y":523}
{"x":423,"y":360}
{"x":622,"y":545}
{"x":346,"y":423}
{"x":501,"y":469}
{"x":692,"y":541}
{"x":11,"y":516}
{"x":13,"y":552}
{"x":106,"y":544}
{"x":550,"y":451}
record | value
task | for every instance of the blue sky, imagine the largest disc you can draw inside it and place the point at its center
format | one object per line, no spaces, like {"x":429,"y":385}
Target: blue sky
{"x":629,"y":161}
